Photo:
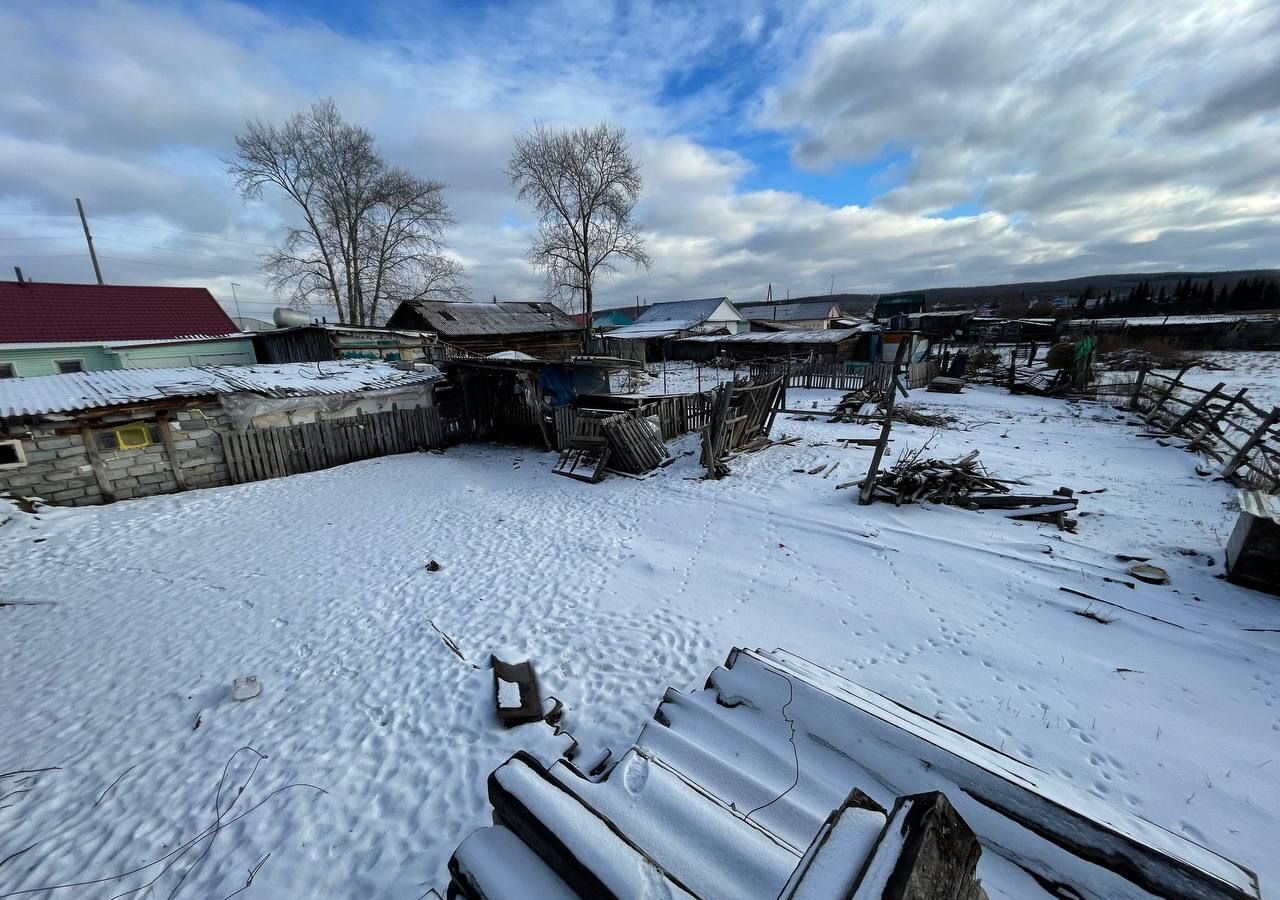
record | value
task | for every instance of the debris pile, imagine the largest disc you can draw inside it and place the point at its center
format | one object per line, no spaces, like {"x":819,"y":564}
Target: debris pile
{"x":965,"y":482}
{"x":866,"y":405}
{"x":913,"y":479}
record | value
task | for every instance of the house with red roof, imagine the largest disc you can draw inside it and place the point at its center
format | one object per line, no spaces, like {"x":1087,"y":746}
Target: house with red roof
{"x":48,"y":329}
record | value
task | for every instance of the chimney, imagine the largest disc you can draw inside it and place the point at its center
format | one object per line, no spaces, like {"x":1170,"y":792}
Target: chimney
{"x":17,"y":270}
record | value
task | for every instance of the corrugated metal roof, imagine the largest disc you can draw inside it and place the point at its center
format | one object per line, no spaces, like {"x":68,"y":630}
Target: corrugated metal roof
{"x":786,"y":312}
{"x":46,"y":394}
{"x":34,"y":312}
{"x":459,"y":319}
{"x":825,"y":336}
{"x":689,"y":311}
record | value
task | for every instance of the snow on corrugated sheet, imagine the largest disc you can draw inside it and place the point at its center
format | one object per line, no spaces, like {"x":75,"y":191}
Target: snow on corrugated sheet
{"x":828,"y":336}
{"x":118,"y":387}
{"x":671,"y":318}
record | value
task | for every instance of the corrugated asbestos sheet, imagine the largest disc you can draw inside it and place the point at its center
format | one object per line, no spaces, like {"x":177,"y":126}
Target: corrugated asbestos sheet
{"x":46,"y":394}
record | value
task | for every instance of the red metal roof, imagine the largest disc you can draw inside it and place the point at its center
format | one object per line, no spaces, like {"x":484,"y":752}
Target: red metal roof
{"x":38,"y":312}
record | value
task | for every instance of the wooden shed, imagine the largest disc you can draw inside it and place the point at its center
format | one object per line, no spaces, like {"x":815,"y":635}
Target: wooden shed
{"x":834,"y":345}
{"x":541,"y":330}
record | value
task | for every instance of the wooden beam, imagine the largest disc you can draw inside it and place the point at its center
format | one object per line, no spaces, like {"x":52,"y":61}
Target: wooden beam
{"x":95,"y":461}
{"x":166,"y":437}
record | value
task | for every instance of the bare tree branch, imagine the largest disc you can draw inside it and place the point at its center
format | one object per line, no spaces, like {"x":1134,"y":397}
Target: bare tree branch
{"x":583,"y":184}
{"x":372,"y":234}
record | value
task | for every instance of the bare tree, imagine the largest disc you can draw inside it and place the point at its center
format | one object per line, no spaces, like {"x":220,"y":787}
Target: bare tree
{"x":372,"y":235}
{"x":583,"y":184}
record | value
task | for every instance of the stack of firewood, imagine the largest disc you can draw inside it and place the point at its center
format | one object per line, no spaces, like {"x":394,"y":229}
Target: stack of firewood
{"x":914,"y":478}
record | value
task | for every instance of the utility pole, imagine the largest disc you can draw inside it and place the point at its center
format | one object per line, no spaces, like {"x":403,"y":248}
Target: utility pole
{"x":235,"y":297}
{"x":833,"y":286}
{"x":88,"y":238}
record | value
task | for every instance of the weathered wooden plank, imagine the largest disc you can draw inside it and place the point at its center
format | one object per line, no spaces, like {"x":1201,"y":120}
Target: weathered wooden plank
{"x":95,"y":463}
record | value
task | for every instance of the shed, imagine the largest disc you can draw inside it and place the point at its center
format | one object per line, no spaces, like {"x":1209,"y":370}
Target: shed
{"x":92,"y":437}
{"x":836,"y":345}
{"x":320,"y":342}
{"x":540,"y":329}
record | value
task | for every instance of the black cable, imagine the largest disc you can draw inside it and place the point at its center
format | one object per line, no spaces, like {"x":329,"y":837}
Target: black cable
{"x":791,"y":725}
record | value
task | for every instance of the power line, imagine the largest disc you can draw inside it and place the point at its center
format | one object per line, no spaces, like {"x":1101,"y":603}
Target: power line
{"x":143,"y":262}
{"x":44,"y":237}
{"x":42,"y":215}
{"x":171,"y":250}
{"x":212,"y":237}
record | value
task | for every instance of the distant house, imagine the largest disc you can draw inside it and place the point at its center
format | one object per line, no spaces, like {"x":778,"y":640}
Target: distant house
{"x":678,"y":318}
{"x":49,"y":329}
{"x":609,"y":319}
{"x":93,"y":437}
{"x":891,"y":305}
{"x":810,"y":315}
{"x":540,"y":329}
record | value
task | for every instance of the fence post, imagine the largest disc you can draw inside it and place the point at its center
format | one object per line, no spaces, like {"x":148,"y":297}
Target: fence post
{"x":1164,"y":397}
{"x":1195,"y":409}
{"x":1222,"y":413}
{"x":1254,"y":439}
{"x":1137,"y":389}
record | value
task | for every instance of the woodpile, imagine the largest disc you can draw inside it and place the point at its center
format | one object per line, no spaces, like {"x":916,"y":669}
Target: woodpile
{"x":965,"y":482}
{"x":913,"y":479}
{"x":866,"y":405}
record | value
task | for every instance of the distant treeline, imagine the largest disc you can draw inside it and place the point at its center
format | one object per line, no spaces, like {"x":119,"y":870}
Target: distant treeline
{"x":1186,"y":297}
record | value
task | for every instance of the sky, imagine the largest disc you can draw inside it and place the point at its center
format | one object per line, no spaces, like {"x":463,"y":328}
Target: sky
{"x":811,"y":146}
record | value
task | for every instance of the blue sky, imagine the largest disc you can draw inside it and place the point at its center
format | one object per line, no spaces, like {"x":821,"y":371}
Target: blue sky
{"x":890,"y":145}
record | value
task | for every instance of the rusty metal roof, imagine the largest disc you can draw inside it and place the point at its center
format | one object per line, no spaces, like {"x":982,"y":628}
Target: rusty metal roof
{"x":459,"y":319}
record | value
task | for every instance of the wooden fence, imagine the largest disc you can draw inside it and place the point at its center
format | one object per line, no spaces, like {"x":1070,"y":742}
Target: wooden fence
{"x":1242,"y":437}
{"x":261,"y":453}
{"x":839,"y":377}
{"x":677,"y":414}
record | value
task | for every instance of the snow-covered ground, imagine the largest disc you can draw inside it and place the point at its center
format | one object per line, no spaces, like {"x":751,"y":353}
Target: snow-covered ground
{"x":116,"y":682}
{"x":1257,"y":370}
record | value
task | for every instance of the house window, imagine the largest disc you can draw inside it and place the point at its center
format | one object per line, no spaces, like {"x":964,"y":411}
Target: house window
{"x":67,"y":366}
{"x":7,"y":371}
{"x":129,"y":437}
{"x":11,"y":455}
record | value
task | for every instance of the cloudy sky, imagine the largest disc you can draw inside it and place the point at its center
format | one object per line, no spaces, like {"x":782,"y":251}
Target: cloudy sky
{"x":874,"y":146}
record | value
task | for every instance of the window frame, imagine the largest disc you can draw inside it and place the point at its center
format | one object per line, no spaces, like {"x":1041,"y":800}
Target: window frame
{"x":79,"y":361}
{"x":22,"y":454}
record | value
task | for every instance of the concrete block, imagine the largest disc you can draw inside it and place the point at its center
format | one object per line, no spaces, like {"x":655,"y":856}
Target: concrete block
{"x":68,"y":494}
{"x":70,"y":451}
{"x":53,"y":443}
{"x":39,"y":455}
{"x":157,"y":478}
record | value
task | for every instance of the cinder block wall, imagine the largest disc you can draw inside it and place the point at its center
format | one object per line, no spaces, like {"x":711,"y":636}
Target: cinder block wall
{"x":58,"y":468}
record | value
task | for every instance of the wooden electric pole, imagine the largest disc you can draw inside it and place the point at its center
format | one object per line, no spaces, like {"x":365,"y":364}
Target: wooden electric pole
{"x":89,"y":240}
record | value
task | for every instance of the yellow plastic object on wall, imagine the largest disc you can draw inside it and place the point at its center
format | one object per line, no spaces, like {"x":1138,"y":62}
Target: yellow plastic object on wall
{"x":133,"y":437}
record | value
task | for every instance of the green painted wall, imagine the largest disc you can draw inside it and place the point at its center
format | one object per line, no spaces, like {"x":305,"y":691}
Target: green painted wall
{"x":39,"y":360}
{"x":237,"y":352}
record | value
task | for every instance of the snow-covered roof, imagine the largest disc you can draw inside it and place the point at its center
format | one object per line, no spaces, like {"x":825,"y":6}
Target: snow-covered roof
{"x":469,"y":318}
{"x":787,"y":312}
{"x":676,"y":316}
{"x":510,"y":354}
{"x":45,"y":394}
{"x":826,"y":336}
